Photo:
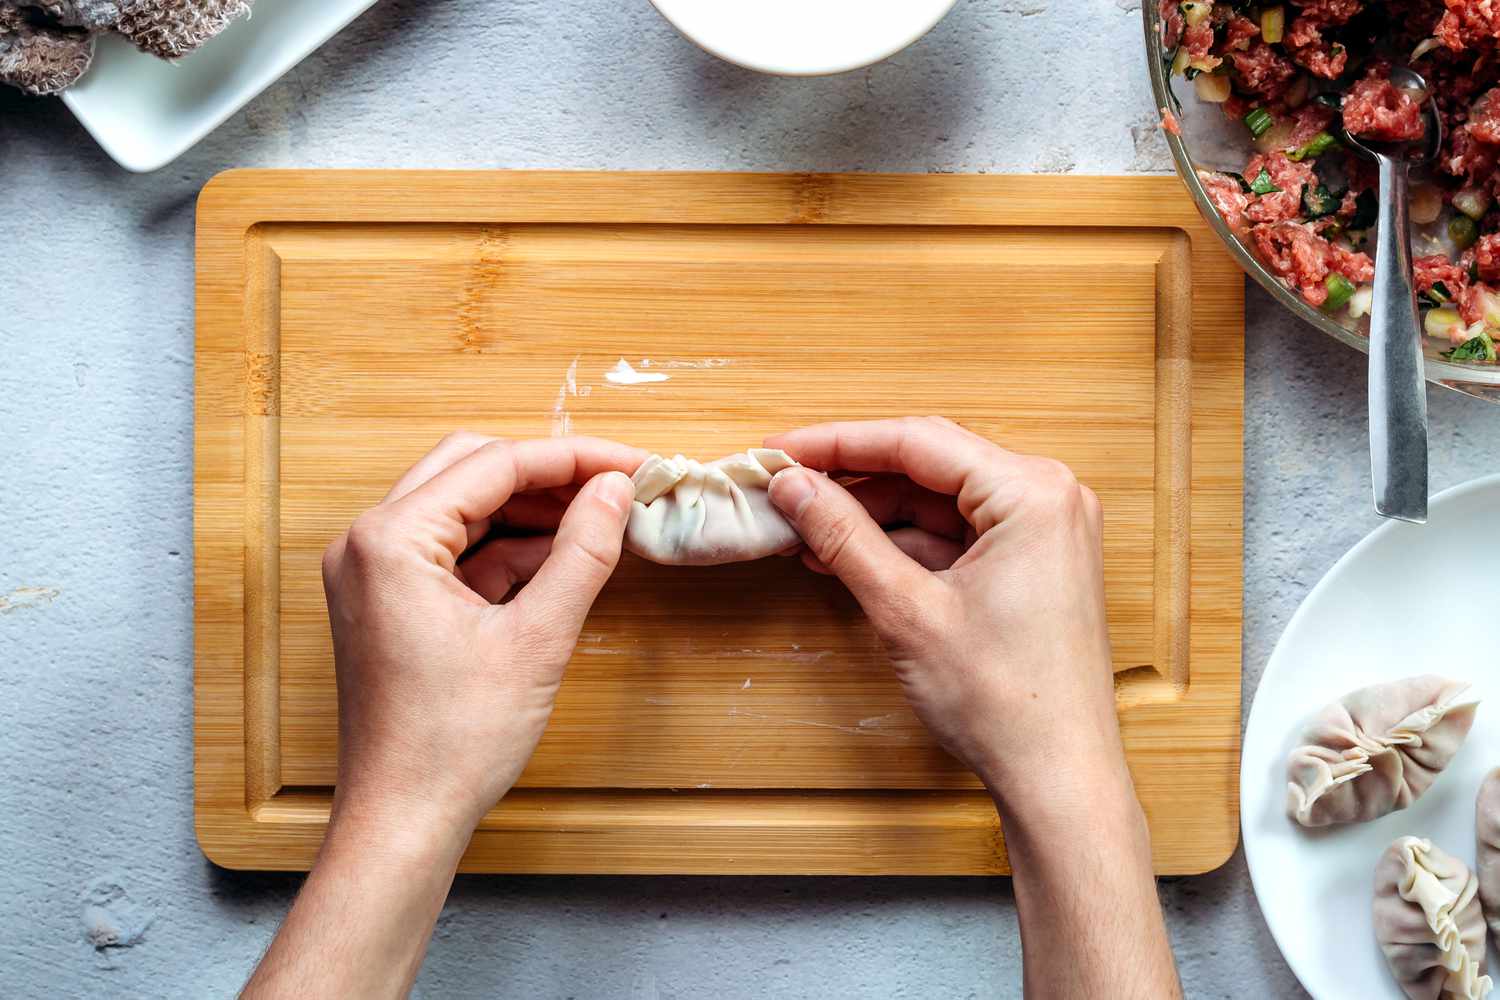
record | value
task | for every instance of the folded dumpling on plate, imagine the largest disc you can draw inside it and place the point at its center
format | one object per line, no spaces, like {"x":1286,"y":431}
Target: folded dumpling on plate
{"x":1487,"y":848}
{"x":688,"y":513}
{"x":1428,"y":922}
{"x":1376,"y":750}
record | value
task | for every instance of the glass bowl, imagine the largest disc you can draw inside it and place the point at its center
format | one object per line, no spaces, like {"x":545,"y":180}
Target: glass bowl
{"x":1211,"y":141}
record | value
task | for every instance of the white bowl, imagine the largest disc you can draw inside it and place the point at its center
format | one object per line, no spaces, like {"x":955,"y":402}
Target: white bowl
{"x":804,"y":37}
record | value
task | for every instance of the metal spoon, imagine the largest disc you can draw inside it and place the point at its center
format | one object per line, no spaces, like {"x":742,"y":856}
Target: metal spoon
{"x":1398,"y":394}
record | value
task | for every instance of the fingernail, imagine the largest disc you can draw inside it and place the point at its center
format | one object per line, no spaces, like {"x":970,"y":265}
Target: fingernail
{"x":791,"y":489}
{"x":616,"y":489}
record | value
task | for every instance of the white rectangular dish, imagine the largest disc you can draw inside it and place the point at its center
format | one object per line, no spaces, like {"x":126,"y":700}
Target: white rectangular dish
{"x":146,"y":112}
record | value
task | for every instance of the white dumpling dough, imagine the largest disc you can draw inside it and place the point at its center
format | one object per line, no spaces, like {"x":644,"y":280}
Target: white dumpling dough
{"x":1487,"y":848}
{"x":688,"y":513}
{"x":1428,"y":922}
{"x":1377,"y":750}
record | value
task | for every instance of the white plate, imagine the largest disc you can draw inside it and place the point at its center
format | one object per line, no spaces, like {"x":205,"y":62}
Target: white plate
{"x":1409,"y":599}
{"x":804,"y":37}
{"x":146,"y":112}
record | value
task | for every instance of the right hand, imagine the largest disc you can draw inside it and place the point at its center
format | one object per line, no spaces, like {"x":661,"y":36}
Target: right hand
{"x":988,"y":597}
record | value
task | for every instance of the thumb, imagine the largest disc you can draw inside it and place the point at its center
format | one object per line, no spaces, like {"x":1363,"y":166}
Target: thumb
{"x":584,"y":554}
{"x":841,"y":534}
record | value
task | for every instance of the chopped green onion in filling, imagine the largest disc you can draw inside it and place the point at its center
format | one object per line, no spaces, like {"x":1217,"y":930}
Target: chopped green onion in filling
{"x":1319,"y":201}
{"x":1473,"y":202}
{"x":1439,"y":293}
{"x":1359,"y":305}
{"x":1316,"y":146}
{"x":1340,"y":291}
{"x":1463,"y":231}
{"x":1263,"y":183}
{"x":1259,"y":121}
{"x":1272,"y":24}
{"x":1365,"y":209}
{"x":1489,"y":303}
{"x":1195,"y":13}
{"x":1478,"y":348}
{"x":1439,"y":322}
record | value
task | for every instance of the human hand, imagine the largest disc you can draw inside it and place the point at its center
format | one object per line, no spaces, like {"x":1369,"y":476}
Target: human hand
{"x":989,"y":597}
{"x":443,"y":690}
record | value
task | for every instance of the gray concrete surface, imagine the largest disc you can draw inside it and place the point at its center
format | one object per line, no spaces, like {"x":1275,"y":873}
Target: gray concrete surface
{"x":96,"y":346}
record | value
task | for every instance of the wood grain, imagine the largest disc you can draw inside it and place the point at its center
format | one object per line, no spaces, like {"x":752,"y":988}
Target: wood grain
{"x":733,"y":719}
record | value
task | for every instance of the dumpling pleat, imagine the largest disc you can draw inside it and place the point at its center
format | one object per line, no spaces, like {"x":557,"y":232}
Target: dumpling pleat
{"x":1377,"y":750}
{"x":1428,"y":922}
{"x":689,"y":513}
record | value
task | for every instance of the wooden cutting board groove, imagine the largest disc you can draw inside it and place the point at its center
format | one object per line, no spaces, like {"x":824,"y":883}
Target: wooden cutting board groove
{"x":735,"y":719}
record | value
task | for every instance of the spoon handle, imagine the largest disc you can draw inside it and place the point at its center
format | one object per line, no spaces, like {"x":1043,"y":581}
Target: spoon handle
{"x":1398,"y":394}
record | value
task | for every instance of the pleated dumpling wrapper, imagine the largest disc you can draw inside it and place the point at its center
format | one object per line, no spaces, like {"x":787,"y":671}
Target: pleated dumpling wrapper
{"x":1376,"y":750}
{"x":688,"y":513}
{"x":1487,"y":848}
{"x":1428,"y":923}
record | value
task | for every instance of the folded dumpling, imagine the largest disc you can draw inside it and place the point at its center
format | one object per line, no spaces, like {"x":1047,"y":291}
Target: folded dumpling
{"x":1428,"y":923}
{"x":1376,"y":750}
{"x":1487,"y":848}
{"x":687,"y":513}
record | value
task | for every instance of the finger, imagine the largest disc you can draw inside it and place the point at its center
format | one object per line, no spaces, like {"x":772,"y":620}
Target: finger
{"x":896,"y":500}
{"x":930,"y":551}
{"x":1093,"y":514}
{"x":536,"y":511}
{"x":932,"y":451}
{"x":815,"y":564}
{"x":457,"y":445}
{"x":584,"y":554}
{"x":494,"y":569}
{"x":840,"y":534}
{"x":475,"y":487}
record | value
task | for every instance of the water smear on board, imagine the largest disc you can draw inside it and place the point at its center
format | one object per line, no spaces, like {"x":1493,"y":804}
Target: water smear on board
{"x":624,"y":374}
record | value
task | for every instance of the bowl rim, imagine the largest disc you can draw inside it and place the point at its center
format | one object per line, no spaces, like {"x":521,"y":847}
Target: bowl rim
{"x":1482,"y":381}
{"x":941,"y":9}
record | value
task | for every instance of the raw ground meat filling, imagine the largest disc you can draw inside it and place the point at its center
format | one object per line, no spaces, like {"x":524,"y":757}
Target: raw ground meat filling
{"x":1487,"y":258}
{"x":1470,"y":158}
{"x":1228,"y":197}
{"x":1171,"y":21}
{"x":1436,"y":268}
{"x":1263,"y":70}
{"x":1307,"y":122}
{"x":1377,"y":109}
{"x":1289,"y":177}
{"x":1239,"y":33}
{"x":1468,"y":23}
{"x":1294,"y":73}
{"x":1471,"y":304}
{"x":1332,"y":11}
{"x":1313,"y":52}
{"x":1484,"y":117}
{"x":1304,"y":260}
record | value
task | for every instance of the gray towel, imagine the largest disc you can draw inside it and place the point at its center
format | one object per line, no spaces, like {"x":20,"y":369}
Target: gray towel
{"x":46,"y":45}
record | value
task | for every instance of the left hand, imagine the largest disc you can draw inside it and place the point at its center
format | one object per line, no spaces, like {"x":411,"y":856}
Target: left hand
{"x":444,"y":686}
{"x":443,"y":690}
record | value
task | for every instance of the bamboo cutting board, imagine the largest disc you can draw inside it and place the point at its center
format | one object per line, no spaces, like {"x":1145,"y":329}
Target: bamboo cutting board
{"x":735,"y":719}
